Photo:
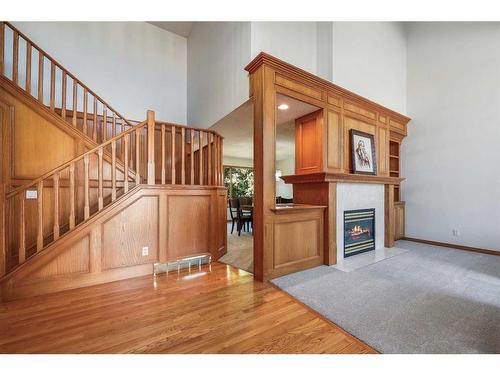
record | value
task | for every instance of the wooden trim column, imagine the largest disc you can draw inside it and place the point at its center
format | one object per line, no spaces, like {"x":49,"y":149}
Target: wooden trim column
{"x":262,"y":86}
{"x":151,"y":147}
{"x":3,"y":250}
{"x":389,"y":215}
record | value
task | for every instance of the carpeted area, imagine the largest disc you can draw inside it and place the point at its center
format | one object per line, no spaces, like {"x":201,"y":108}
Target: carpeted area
{"x":427,"y":300}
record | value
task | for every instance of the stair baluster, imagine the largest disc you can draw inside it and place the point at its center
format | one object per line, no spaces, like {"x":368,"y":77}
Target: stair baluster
{"x":172,"y":157}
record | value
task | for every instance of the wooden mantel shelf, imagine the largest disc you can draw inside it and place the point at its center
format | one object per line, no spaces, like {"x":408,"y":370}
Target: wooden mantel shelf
{"x":340,"y":177}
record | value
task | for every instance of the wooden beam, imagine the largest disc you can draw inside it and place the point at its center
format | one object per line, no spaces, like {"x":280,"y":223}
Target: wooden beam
{"x":264,"y":144}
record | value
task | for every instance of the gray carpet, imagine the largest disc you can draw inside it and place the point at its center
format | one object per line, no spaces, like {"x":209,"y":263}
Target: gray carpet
{"x":427,"y":300}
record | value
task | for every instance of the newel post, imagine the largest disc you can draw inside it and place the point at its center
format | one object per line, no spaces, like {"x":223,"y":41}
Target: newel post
{"x":151,"y":147}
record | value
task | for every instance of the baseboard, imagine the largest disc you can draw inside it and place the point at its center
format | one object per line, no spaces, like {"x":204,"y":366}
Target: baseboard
{"x":454,"y":246}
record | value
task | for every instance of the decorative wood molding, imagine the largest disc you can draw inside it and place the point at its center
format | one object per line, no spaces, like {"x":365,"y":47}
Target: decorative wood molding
{"x":313,"y":82}
{"x":340,"y":177}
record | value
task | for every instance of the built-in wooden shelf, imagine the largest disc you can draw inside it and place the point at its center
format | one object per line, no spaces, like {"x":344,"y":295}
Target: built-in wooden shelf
{"x":394,"y":153}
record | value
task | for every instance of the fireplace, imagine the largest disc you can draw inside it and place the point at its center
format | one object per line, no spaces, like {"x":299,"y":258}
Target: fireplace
{"x":359,"y":231}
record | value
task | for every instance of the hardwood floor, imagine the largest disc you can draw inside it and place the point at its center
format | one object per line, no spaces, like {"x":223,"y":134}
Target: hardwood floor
{"x":239,"y":250}
{"x":217,"y":310}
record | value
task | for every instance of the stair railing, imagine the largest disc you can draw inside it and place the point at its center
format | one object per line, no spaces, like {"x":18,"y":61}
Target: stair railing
{"x":38,"y":213}
{"x":31,"y":226}
{"x":183,"y":144}
{"x":61,"y":91}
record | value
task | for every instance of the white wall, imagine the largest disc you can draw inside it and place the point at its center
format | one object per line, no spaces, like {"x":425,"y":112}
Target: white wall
{"x":287,"y":167}
{"x":451,"y":154}
{"x":369,"y":58}
{"x":217,"y":82}
{"x":134,"y":66}
{"x":294,"y":42}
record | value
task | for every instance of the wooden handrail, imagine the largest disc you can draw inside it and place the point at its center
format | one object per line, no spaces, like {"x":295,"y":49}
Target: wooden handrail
{"x":74,"y":160}
{"x":65,"y":73}
{"x":194,"y":156}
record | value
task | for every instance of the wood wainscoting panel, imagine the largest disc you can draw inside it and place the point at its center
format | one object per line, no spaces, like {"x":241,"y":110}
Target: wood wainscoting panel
{"x":37,"y":145}
{"x":125,"y":234}
{"x":292,"y":242}
{"x":334,"y":141}
{"x":309,"y":143}
{"x":75,"y":259}
{"x":399,"y":220}
{"x":221,"y":233}
{"x":189,"y":224}
{"x":297,"y":241}
{"x":181,"y":220}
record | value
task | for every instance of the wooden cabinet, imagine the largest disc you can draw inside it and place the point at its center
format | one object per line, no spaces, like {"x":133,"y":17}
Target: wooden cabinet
{"x":309,"y":143}
{"x":399,"y":220}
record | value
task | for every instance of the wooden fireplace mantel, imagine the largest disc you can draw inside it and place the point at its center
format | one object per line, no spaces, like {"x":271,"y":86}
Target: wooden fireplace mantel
{"x":291,"y":239}
{"x":340,"y":177}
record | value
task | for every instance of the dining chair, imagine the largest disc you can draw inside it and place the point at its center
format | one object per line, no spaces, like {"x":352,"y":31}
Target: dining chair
{"x":245,"y":216}
{"x":233,"y":211}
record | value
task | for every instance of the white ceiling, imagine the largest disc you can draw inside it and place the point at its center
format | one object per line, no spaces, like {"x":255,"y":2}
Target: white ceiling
{"x":180,"y":28}
{"x":237,"y":128}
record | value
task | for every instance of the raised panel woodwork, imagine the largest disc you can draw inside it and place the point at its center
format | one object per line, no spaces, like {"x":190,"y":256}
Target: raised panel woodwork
{"x":125,"y":234}
{"x":188,"y":225}
{"x":389,"y":215}
{"x":295,"y":242}
{"x":73,"y":260}
{"x":334,"y":141}
{"x":309,"y":143}
{"x":295,"y":86}
{"x":36,"y":145}
{"x":221,"y":233}
{"x":322,"y":194}
{"x":399,"y":220}
{"x":108,"y":246}
{"x":383,"y":151}
{"x":360,"y":110}
{"x":334,"y":100}
{"x":296,"y":239}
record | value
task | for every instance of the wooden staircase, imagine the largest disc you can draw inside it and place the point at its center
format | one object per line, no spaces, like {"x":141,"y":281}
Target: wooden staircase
{"x":119,"y":157}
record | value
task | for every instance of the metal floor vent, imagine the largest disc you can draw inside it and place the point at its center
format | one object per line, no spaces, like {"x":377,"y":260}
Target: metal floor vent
{"x":182,"y":263}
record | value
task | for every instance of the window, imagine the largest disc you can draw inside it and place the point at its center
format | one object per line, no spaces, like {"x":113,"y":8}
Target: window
{"x":238,"y":181}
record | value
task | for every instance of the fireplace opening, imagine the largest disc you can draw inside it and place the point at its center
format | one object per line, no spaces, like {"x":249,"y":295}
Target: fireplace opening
{"x":359,"y":231}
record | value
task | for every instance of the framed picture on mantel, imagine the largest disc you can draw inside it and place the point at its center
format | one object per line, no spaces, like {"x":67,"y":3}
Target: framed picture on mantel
{"x":363,"y":153}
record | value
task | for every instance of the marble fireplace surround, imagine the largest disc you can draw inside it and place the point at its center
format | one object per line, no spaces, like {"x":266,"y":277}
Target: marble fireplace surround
{"x":354,"y":196}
